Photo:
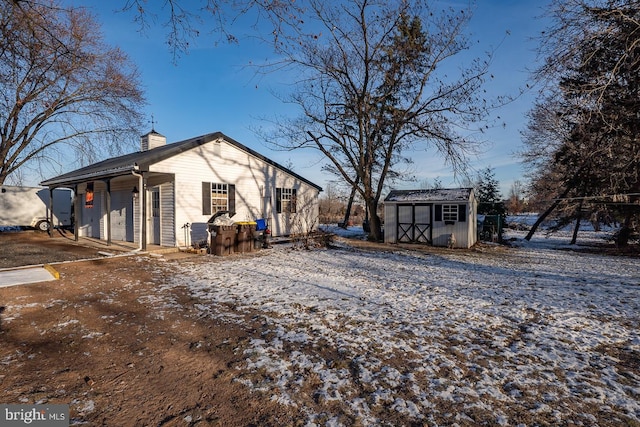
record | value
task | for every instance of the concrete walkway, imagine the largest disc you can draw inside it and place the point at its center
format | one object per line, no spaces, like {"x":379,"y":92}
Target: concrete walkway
{"x":21,"y":276}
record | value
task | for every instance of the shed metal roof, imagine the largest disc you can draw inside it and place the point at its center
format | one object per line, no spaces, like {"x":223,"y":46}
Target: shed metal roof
{"x":123,"y":165}
{"x":434,"y":195}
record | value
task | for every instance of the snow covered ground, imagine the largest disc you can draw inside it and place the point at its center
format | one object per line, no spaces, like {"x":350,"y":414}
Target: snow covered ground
{"x":521,"y":336}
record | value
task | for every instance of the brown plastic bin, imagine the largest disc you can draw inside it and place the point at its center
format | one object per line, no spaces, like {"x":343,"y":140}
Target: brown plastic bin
{"x":244,"y":237}
{"x":224,"y":240}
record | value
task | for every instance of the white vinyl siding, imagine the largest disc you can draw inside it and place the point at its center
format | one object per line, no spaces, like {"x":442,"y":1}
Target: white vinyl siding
{"x":254,"y":180}
{"x":167,"y":215}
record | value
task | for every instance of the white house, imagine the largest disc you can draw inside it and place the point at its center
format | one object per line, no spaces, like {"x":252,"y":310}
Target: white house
{"x":165,"y":194}
{"x":431,"y":217}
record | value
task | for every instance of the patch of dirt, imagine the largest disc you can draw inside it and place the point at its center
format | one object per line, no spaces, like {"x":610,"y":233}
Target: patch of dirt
{"x":608,"y":249}
{"x":96,"y":340}
{"x":34,"y":247}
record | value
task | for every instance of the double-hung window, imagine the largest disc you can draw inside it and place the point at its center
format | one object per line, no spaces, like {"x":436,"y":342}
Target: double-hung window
{"x":285,"y":200}
{"x":218,"y":197}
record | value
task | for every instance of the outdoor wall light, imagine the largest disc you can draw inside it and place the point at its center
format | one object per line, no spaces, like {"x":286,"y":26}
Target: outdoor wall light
{"x":135,"y":191}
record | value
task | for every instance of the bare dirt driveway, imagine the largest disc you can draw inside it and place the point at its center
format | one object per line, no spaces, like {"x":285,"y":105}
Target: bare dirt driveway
{"x":90,"y":340}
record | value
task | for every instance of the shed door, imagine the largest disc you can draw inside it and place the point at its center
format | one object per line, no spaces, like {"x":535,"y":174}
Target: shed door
{"x":414,"y":223}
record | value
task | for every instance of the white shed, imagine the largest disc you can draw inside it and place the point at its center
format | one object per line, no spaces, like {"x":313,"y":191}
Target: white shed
{"x":431,"y":217}
{"x":165,"y":193}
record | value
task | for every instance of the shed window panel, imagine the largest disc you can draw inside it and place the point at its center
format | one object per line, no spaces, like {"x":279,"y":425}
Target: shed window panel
{"x":449,"y":212}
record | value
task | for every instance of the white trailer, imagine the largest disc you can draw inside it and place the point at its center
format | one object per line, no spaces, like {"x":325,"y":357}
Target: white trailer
{"x":30,"y":207}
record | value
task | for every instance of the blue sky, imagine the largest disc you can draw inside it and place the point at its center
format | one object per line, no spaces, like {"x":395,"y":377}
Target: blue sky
{"x":212,"y":89}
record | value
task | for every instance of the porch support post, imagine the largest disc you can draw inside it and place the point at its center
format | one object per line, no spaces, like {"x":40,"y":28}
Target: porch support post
{"x":108,"y":182}
{"x":143,"y":208}
{"x":77,"y":214}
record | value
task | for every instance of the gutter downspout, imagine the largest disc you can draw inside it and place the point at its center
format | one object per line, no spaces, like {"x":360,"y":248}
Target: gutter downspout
{"x":135,"y":172}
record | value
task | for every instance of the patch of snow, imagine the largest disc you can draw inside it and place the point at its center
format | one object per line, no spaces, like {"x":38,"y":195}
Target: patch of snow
{"x":92,"y":335}
{"x":68,"y":323}
{"x":516,"y":331}
{"x":84,"y":406}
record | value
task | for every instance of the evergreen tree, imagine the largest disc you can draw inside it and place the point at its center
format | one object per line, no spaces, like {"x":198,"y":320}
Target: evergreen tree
{"x":591,"y":106}
{"x":488,"y":193}
{"x":490,"y":203}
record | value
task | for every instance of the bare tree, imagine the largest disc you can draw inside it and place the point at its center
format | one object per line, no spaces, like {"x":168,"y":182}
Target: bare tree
{"x":183,"y":20}
{"x":516,"y":201}
{"x":427,"y":184}
{"x":61,"y":86}
{"x":371,"y":88}
{"x":332,"y":203}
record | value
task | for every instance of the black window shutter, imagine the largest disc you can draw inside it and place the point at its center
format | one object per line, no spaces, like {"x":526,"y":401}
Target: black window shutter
{"x":278,"y":200}
{"x":232,"y":199}
{"x":293,"y":200}
{"x":206,"y":198}
{"x":462,"y":213}
{"x":438,"y":212}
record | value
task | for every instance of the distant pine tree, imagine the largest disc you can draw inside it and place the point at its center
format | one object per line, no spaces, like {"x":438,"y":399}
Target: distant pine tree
{"x":488,"y":193}
{"x":490,"y":202}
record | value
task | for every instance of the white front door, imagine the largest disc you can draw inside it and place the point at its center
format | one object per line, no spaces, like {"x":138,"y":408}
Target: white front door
{"x":154,"y":219}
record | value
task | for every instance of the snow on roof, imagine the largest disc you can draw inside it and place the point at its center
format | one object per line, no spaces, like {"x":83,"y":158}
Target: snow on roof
{"x":440,"y":194}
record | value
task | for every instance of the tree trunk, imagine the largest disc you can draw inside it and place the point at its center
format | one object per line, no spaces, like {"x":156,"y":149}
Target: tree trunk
{"x":546,"y":214}
{"x":347,"y":213}
{"x":541,"y":218}
{"x":375,"y":233}
{"x":622,"y":239}
{"x":574,"y":237}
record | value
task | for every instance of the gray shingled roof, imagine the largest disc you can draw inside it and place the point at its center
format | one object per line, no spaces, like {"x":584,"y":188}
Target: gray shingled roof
{"x":436,"y":195}
{"x":123,"y":165}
